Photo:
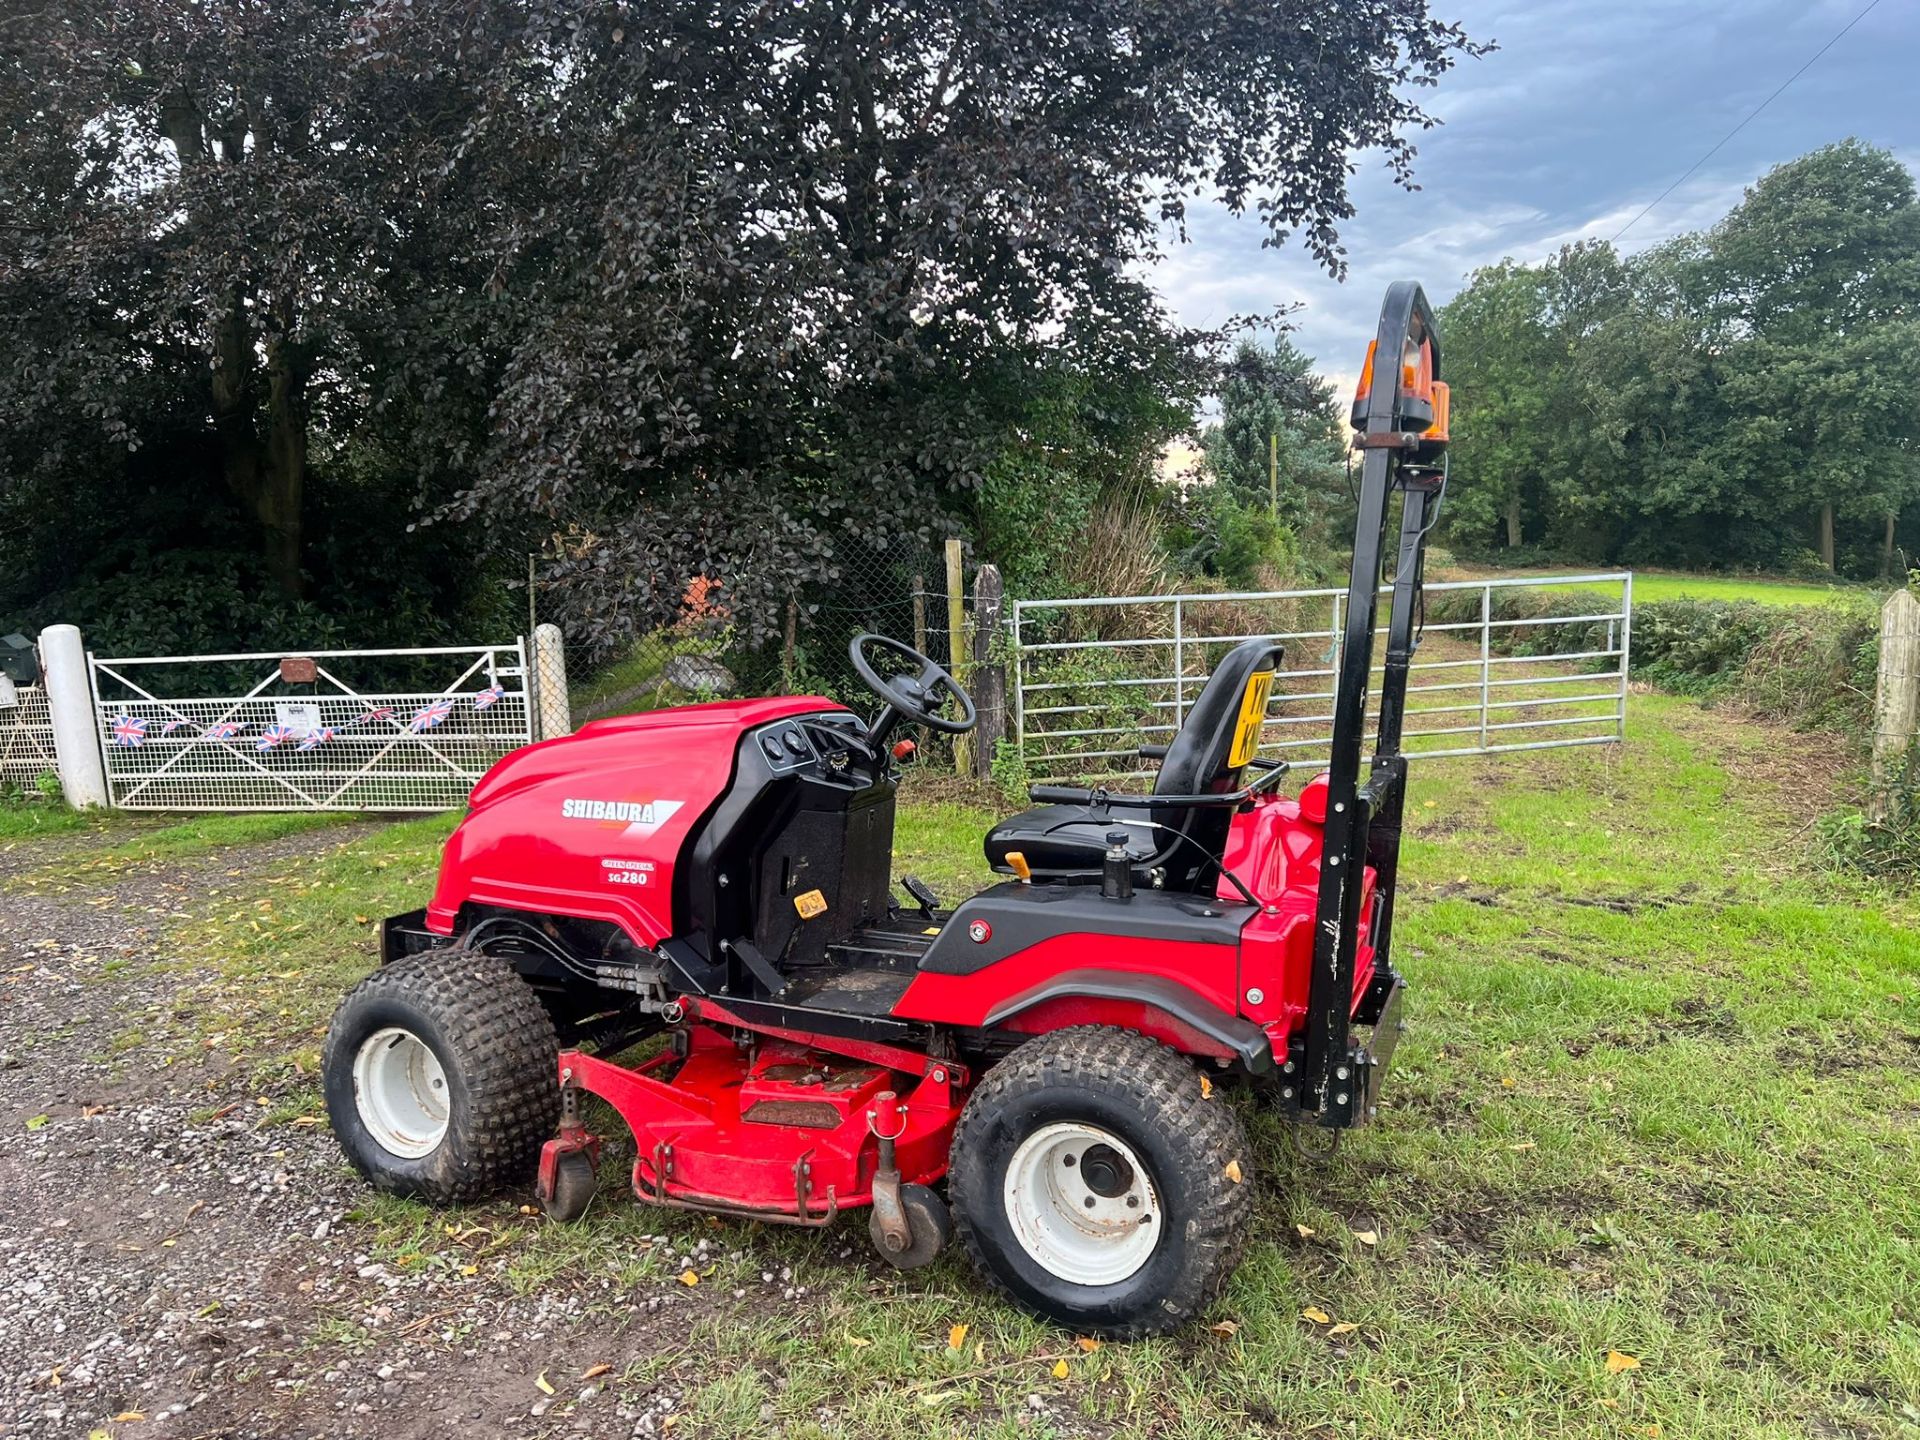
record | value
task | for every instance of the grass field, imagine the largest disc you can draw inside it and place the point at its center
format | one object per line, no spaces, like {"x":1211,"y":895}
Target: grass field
{"x":1654,"y":585}
{"x":1649,"y":1163}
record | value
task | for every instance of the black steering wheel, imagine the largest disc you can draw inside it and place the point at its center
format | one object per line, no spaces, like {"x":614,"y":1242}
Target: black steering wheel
{"x":917,"y":698}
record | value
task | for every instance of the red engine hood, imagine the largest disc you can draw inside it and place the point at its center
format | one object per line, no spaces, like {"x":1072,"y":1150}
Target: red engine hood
{"x":592,"y":824}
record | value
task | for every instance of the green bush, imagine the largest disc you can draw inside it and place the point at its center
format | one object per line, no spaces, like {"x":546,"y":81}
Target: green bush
{"x":1244,"y":546}
{"x":1693,"y":645}
{"x":1808,"y":666}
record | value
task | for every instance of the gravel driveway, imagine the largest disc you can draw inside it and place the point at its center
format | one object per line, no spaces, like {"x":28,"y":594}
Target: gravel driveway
{"x":170,"y":1266}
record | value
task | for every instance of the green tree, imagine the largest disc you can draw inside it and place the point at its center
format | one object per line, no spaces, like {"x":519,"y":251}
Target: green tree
{"x":1525,"y":449}
{"x":1276,"y":444}
{"x":1497,"y":358}
{"x":1816,"y":275}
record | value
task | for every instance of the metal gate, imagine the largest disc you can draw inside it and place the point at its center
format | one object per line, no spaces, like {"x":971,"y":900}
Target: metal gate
{"x":26,"y":734}
{"x":322,"y":730}
{"x":1497,"y":670}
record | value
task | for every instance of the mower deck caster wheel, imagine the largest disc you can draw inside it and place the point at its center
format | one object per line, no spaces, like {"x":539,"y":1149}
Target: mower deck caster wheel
{"x":930,"y":1222}
{"x":574,"y":1185}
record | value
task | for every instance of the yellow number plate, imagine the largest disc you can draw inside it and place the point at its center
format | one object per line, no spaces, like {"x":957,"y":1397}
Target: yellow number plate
{"x":1253,"y":715}
{"x":810,"y":904}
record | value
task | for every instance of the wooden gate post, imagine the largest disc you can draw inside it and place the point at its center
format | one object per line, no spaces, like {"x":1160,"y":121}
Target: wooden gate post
{"x":957,"y":640}
{"x":988,"y":684}
{"x":1896,"y":702}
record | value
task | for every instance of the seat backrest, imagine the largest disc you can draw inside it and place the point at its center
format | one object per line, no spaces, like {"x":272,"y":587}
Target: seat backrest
{"x":1200,"y":759}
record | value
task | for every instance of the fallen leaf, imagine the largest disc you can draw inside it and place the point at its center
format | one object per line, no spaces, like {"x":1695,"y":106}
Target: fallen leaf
{"x":363,"y":919}
{"x":1087,"y":1343}
{"x":956,"y":1336}
{"x":36,"y":1122}
{"x":936,"y":1397}
{"x":1305,"y":1231}
{"x":1316,"y":1315}
{"x":1367,"y":1237}
{"x":689,"y":1278}
{"x":1345,"y":1327}
{"x":129,"y":1417}
{"x":1508,"y":1081}
{"x":1225,"y":1329}
{"x":1523,"y":1145}
{"x":1232,"y":1172}
{"x":1616,"y":1362}
{"x":1206,"y":1088}
{"x":1059,"y":1369}
{"x":469,"y":1270}
{"x":594,"y":1372}
{"x":858,"y":1342}
{"x":1652,"y":1430}
{"x":545,"y":1385}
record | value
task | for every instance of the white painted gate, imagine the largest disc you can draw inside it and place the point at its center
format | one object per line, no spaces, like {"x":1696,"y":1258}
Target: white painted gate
{"x":26,"y":734}
{"x":318,"y":730}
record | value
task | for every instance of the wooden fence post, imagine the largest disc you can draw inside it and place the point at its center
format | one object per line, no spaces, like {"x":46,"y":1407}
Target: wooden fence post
{"x":988,"y":684}
{"x":787,"y":648}
{"x":920,"y":613}
{"x":957,"y":640}
{"x":1896,"y":702}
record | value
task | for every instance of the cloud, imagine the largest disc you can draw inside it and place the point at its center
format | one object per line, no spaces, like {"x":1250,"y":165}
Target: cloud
{"x":1566,"y":132}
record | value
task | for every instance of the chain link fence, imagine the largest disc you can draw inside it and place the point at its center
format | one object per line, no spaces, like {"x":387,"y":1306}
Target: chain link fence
{"x":705,"y":655}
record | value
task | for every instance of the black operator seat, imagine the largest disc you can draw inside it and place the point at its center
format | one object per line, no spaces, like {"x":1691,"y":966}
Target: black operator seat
{"x":1068,"y":842}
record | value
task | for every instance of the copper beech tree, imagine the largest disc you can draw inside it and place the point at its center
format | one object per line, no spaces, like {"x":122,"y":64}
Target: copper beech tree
{"x":678,"y":289}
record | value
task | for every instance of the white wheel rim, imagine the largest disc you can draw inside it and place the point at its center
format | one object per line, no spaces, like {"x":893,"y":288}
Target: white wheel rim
{"x":1085,"y":1231}
{"x":400,"y":1090}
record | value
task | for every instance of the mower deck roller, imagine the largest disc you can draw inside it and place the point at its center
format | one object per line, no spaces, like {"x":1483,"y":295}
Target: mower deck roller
{"x":689,"y":915}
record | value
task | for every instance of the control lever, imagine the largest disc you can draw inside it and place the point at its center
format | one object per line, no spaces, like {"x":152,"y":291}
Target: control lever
{"x":922,"y":895}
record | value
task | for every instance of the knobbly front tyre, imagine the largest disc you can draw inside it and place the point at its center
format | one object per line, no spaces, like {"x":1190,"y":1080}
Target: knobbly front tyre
{"x":440,"y":1077}
{"x":1100,"y":1185}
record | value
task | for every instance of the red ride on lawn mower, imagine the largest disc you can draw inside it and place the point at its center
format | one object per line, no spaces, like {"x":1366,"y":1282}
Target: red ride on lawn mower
{"x":717,"y":875}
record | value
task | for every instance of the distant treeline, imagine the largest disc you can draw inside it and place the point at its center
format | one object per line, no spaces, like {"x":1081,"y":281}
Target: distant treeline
{"x":1744,"y":398}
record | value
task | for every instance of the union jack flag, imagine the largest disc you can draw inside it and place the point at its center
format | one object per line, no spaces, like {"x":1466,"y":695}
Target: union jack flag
{"x":431,"y":715}
{"x":385,"y":712}
{"x":316,"y":738}
{"x":225,"y":730}
{"x":171,"y":726}
{"x":128,"y":731}
{"x":489,"y":697}
{"x":273,"y":735}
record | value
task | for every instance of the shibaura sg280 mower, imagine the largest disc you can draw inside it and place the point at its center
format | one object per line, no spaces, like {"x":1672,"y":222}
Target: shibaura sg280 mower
{"x":1038,"y":1067}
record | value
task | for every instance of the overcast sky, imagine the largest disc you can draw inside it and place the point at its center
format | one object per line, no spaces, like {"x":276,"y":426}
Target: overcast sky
{"x":1583,"y":115}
